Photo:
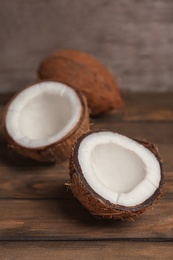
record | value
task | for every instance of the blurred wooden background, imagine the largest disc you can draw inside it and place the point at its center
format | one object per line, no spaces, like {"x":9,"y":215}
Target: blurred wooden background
{"x":134,"y":38}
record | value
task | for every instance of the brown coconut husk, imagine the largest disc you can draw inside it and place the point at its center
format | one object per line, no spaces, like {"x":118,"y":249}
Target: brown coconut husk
{"x":85,"y":73}
{"x":97,"y":205}
{"x":58,"y":151}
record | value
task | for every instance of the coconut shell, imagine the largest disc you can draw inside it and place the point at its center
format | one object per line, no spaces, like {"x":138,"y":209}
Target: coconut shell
{"x":85,"y":73}
{"x":58,"y":151}
{"x":97,"y":205}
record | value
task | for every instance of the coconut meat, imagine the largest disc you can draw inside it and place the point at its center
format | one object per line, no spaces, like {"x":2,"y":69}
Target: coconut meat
{"x":43,"y":114}
{"x":118,"y":168}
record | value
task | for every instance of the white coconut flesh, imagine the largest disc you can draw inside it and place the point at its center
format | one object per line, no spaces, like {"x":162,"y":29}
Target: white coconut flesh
{"x":119,"y":169}
{"x":43,"y":114}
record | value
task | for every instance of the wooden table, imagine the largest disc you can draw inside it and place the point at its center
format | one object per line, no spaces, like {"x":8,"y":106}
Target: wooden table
{"x":39,"y":219}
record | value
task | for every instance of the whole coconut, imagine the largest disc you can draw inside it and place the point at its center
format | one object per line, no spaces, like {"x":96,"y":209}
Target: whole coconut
{"x":85,"y":73}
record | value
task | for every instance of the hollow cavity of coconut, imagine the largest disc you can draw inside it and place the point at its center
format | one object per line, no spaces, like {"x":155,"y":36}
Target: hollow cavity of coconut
{"x":114,"y":176}
{"x":85,"y":73}
{"x":45,"y":119}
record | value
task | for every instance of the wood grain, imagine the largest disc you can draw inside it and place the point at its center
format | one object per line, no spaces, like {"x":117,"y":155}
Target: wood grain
{"x":43,"y":183}
{"x":39,"y":219}
{"x":66,"y":219}
{"x":159,"y":134}
{"x":86,"y":250}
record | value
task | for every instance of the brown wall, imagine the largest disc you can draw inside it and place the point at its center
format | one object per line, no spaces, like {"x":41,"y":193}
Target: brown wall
{"x":133,"y":37}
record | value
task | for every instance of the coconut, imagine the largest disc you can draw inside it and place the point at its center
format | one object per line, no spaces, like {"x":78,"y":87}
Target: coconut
{"x":114,"y":176}
{"x":45,"y":119}
{"x":87,"y":74}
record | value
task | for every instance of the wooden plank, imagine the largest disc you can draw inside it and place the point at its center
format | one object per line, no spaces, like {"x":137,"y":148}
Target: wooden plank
{"x":24,"y":178}
{"x":158,"y":133}
{"x":10,"y":160}
{"x":38,"y":182}
{"x":35,"y":205}
{"x":85,"y":250}
{"x":67,"y":220}
{"x":45,"y":183}
{"x":138,"y":107}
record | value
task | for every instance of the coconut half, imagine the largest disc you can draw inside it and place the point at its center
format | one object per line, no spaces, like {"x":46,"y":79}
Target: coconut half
{"x":86,"y":73}
{"x":45,"y":119}
{"x":114,"y":176}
